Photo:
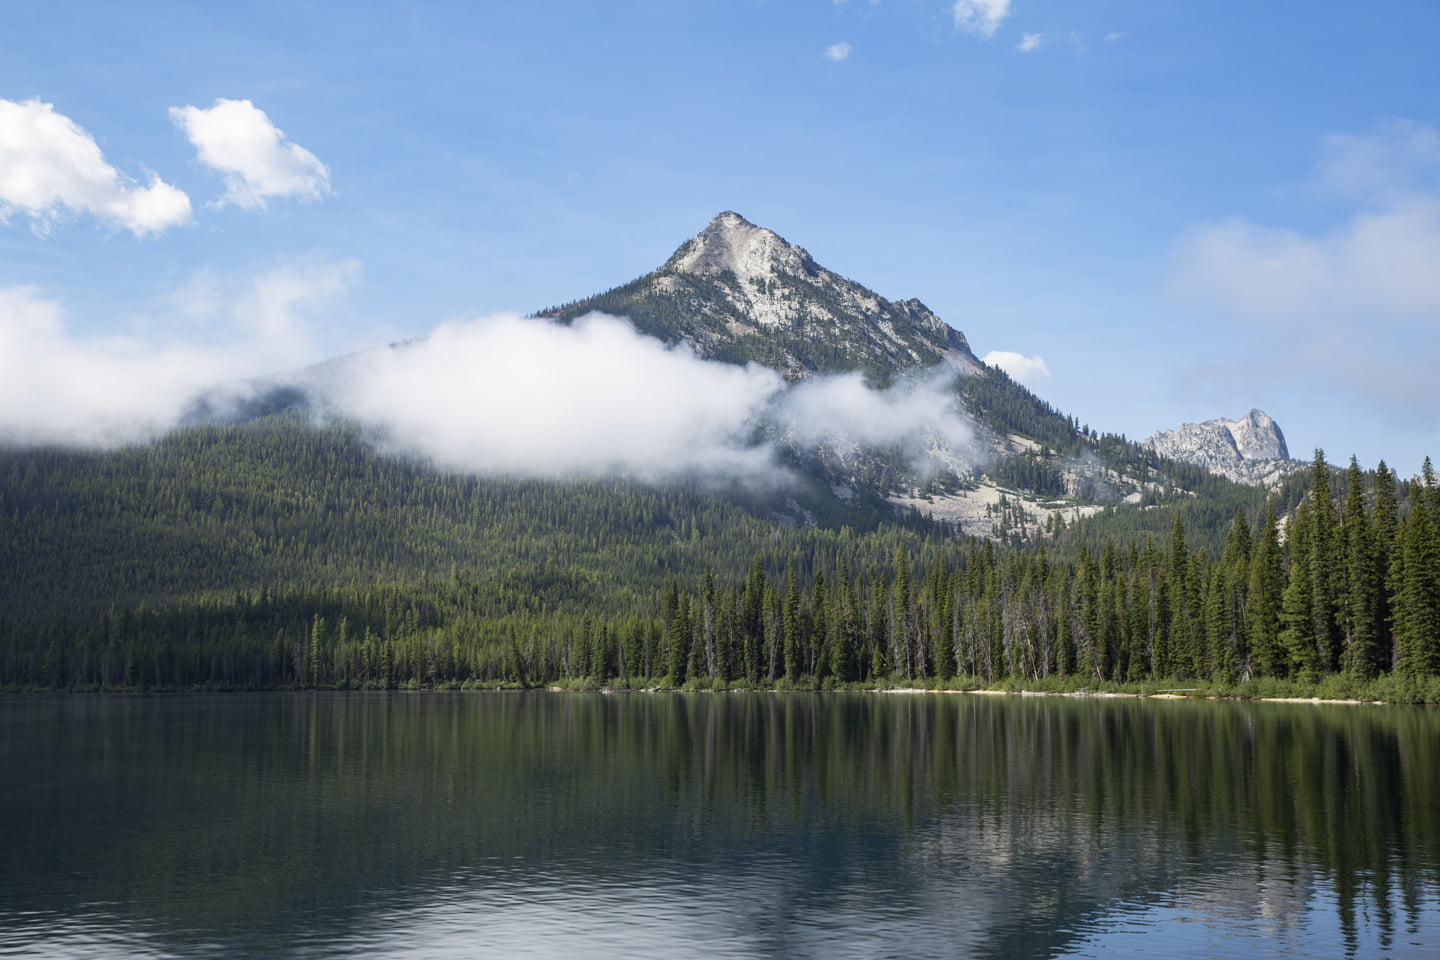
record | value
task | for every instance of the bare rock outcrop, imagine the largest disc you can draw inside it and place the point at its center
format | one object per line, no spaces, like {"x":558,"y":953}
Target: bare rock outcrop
{"x":1248,"y":450}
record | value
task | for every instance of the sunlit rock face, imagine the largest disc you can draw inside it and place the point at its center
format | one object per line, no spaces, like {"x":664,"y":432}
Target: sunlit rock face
{"x":740,"y":292}
{"x":1249,"y":450}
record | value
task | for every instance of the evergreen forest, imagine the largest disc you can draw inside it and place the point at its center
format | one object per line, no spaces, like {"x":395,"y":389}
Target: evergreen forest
{"x":275,"y":554}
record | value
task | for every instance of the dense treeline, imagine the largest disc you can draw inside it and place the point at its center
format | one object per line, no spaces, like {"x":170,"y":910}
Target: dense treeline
{"x":211,"y":510}
{"x":1355,"y":590}
{"x":728,"y":599}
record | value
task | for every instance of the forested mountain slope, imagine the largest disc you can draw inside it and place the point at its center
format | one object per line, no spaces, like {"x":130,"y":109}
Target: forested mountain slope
{"x":274,"y":554}
{"x":210,"y":510}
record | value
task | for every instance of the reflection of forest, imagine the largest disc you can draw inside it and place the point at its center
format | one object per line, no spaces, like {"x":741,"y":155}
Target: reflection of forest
{"x":1007,"y":823}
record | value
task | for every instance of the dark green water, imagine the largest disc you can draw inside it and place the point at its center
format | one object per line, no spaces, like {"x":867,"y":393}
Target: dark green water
{"x":739,"y":825}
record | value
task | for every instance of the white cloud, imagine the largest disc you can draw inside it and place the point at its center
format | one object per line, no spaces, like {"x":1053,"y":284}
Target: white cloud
{"x":981,"y":17}
{"x":1402,"y":158}
{"x":1030,"y":371}
{"x":57,"y":386}
{"x":514,"y":395}
{"x":1379,"y":263}
{"x":236,"y":138}
{"x":499,"y":395}
{"x":1031,"y":42}
{"x":1115,"y":35}
{"x":507,"y":394}
{"x":838,"y":51}
{"x":1355,"y":306}
{"x":50,"y":165}
{"x":921,"y":416}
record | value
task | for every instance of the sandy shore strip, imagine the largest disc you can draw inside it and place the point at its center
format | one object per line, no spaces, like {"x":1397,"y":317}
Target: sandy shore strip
{"x":1113,"y":695}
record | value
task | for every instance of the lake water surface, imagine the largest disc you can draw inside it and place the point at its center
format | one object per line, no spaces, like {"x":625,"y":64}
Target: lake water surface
{"x":724,"y":825}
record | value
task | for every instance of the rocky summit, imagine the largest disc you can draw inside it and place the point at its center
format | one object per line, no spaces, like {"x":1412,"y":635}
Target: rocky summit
{"x":739,"y":292}
{"x":1249,"y":450}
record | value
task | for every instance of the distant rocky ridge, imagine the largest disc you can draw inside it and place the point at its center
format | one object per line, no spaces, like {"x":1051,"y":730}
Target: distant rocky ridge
{"x":1249,"y":450}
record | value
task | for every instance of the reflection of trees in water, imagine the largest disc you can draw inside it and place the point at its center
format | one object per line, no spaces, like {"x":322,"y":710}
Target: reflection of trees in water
{"x":1006,"y":822}
{"x":1211,"y":807}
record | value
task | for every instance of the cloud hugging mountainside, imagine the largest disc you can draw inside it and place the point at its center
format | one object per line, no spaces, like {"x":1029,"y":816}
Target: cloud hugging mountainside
{"x":738,"y":342}
{"x":738,"y":348}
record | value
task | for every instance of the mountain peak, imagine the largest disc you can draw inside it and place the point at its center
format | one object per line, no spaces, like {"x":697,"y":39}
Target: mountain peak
{"x":741,"y":293}
{"x":1249,"y":450}
{"x":1258,"y":437}
{"x":732,"y":244}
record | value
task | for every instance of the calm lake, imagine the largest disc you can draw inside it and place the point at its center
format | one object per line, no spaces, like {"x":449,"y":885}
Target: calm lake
{"x":725,"y":825}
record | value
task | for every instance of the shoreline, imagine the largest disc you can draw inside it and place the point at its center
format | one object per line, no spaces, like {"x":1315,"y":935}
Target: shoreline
{"x":1115,"y":695}
{"x":1197,"y":694}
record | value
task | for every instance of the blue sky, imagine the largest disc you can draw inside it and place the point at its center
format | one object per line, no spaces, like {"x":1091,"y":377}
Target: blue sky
{"x":1184,"y":209}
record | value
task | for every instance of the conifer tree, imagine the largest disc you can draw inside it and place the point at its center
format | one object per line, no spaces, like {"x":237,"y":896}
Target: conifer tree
{"x":1359,"y":621}
{"x":752,"y":620}
{"x":877,"y":628}
{"x":790,"y":620}
{"x":845,"y":628}
{"x":709,"y":614}
{"x":1297,"y":631}
{"x":583,"y":647}
{"x":1325,"y":567}
{"x":1384,"y":521}
{"x":315,"y":660}
{"x":941,"y":659}
{"x":898,"y":632}
{"x":727,"y":641}
{"x":1184,"y":608}
{"x":818,"y":648}
{"x":773,"y":641}
{"x":1264,"y":590}
{"x":1156,"y":641}
{"x":677,"y":642}
{"x":1226,"y":605}
{"x":1416,"y":583}
{"x":1085,"y":618}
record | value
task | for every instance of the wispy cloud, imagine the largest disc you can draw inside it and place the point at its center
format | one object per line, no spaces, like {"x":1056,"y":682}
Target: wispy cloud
{"x":1031,"y":42}
{"x":1401,"y":158}
{"x":980,"y":17}
{"x":496,"y":395}
{"x":1361,"y":287}
{"x":60,"y":386}
{"x":50,"y":166}
{"x":1030,"y":371}
{"x":506,"y":394}
{"x":236,"y":138}
{"x":1380,"y":261}
{"x":838,"y":51}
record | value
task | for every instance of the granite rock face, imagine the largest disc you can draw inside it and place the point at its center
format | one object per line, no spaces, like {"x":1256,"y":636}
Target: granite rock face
{"x":1248,"y":450}
{"x":740,"y":292}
